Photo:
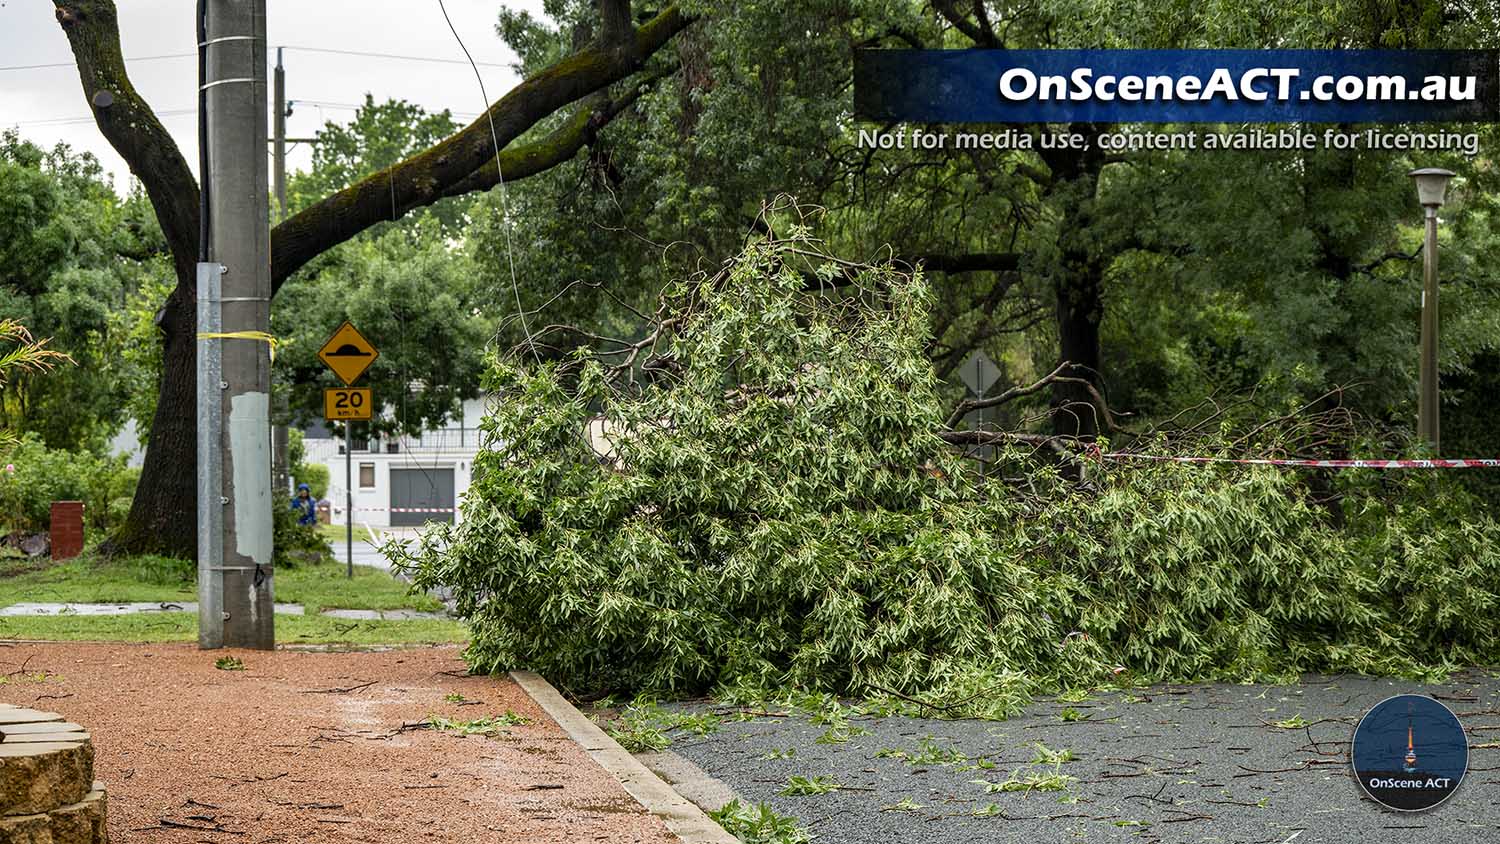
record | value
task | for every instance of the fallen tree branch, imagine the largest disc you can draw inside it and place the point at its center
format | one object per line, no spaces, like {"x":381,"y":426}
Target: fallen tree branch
{"x":1012,"y":394}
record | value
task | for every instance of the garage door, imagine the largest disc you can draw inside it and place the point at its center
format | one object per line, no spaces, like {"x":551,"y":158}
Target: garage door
{"x":421,"y":489}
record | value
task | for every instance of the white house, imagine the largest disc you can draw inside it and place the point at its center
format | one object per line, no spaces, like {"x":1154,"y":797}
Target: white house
{"x":401,"y":481}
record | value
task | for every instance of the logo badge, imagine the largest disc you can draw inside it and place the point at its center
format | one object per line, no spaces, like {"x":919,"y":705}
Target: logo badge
{"x":1410,"y":753}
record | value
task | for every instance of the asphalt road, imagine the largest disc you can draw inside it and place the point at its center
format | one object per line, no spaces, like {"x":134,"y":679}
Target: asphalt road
{"x":1207,"y":763}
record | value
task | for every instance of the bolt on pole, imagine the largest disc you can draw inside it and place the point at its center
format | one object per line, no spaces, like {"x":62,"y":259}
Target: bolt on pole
{"x":236,"y":442}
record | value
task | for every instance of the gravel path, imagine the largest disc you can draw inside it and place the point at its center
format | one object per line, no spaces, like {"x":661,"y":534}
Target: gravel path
{"x":1208,"y":763}
{"x":309,"y":747}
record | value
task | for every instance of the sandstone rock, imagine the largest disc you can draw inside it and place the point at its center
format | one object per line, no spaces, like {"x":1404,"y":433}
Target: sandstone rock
{"x":77,"y":823}
{"x":40,"y":727}
{"x":47,"y":789}
{"x":37,"y":777}
{"x":26,"y":829}
{"x":14,"y":715}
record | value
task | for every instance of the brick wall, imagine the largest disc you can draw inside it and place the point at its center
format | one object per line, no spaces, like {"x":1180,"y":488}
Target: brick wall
{"x":67,"y":529}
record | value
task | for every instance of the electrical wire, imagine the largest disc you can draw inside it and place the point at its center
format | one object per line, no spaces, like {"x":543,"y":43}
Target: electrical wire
{"x":64,"y":121}
{"x":510,"y":254}
{"x":468,"y":115}
{"x":373,"y":55}
{"x":327,"y":50}
{"x":50,"y":65}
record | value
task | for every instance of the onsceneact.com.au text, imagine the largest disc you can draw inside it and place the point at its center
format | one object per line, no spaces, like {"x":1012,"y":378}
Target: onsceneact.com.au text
{"x":1257,"y":84}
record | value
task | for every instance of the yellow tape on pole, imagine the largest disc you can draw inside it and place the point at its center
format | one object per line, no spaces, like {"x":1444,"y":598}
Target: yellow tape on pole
{"x":257,"y":336}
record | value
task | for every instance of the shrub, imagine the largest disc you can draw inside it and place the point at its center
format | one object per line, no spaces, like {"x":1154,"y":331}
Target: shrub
{"x":292,"y":543}
{"x":761,"y":499}
{"x":33,"y":476}
{"x":315,"y":475}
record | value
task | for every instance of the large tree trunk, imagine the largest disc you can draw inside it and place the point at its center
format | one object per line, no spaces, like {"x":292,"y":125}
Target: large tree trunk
{"x":1079,"y":287}
{"x":1080,"y":308}
{"x":163,"y":515}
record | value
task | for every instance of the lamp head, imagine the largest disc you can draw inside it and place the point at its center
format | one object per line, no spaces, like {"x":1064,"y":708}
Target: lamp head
{"x":1432,"y":185}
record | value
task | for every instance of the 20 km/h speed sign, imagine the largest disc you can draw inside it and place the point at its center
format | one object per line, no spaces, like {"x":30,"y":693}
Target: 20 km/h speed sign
{"x":347,"y":403}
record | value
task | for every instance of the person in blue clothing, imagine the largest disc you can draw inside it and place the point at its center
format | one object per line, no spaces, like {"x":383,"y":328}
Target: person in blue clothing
{"x":305,"y":505}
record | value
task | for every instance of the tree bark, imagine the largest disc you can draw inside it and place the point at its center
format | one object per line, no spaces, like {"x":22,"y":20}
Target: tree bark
{"x":1078,"y":289}
{"x":163,"y":513}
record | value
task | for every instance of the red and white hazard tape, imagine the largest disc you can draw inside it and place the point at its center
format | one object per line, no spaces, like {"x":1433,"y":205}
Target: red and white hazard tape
{"x":401,"y":509}
{"x":1464,"y":463}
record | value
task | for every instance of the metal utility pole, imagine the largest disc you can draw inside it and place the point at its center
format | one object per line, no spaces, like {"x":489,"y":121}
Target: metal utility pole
{"x":1427,"y":404}
{"x":1432,"y":188}
{"x":280,"y":471}
{"x":349,"y":494}
{"x":234,"y":375}
{"x":278,"y":149}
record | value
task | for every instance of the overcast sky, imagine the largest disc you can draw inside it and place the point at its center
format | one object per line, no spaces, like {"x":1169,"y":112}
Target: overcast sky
{"x":47,"y":105}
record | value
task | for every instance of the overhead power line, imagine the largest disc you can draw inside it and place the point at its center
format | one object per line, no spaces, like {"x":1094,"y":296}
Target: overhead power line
{"x":63,"y":121}
{"x":71,"y":64}
{"x":326,"y":50}
{"x":431,"y":59}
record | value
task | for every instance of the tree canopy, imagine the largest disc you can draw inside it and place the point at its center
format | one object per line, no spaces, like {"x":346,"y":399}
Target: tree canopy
{"x":644,"y":141}
{"x":75,"y":260}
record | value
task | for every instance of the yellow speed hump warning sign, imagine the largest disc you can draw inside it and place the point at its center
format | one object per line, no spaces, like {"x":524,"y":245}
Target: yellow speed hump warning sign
{"x":348,"y":353}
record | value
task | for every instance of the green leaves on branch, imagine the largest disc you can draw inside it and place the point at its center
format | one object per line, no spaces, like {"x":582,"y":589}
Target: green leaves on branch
{"x":754,"y":496}
{"x":765,"y":500}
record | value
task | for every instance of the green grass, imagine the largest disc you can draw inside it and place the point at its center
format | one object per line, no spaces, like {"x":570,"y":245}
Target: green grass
{"x":337,"y":535}
{"x":87,"y":579}
{"x":327,"y":586}
{"x":183,"y":627}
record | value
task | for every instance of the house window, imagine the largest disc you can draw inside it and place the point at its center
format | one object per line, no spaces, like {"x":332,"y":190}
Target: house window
{"x":367,"y":476}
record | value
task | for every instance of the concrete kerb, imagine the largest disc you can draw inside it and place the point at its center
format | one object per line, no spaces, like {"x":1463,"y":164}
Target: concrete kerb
{"x":683,"y":818}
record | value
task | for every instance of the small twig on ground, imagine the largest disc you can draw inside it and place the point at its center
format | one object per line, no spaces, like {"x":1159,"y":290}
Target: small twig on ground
{"x":1155,"y":798}
{"x":253,"y":779}
{"x":939,"y":707}
{"x":1188,"y":817}
{"x":758,"y":713}
{"x":338,"y":690}
{"x":164,"y":823}
{"x":22,"y":670}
